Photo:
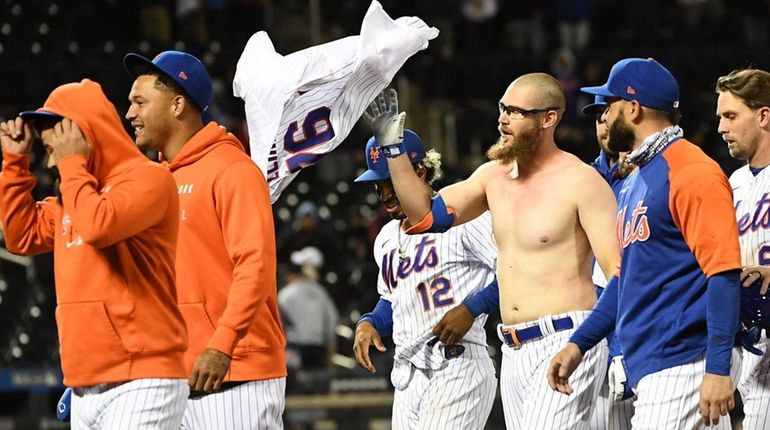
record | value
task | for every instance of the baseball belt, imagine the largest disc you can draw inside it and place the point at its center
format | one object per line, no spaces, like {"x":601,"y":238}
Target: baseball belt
{"x":515,"y":338}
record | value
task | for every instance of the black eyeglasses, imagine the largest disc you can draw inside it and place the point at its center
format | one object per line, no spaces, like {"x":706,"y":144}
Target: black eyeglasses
{"x":515,"y":112}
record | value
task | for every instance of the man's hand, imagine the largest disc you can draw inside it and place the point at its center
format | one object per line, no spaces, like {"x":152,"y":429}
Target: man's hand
{"x":16,"y":136}
{"x":454,"y":325}
{"x":209,"y":371}
{"x":716,"y":398}
{"x":751,"y":274}
{"x":382,"y":115}
{"x":67,"y":140}
{"x":366,"y":335}
{"x":562,"y":366}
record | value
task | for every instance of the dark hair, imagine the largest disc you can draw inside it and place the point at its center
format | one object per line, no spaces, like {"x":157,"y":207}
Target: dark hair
{"x":750,"y":85}
{"x":165,"y":83}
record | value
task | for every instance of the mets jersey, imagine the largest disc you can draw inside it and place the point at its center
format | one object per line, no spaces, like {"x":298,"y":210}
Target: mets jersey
{"x":301,"y":106}
{"x":676,"y":226}
{"x":751,"y":195}
{"x":426,"y":275}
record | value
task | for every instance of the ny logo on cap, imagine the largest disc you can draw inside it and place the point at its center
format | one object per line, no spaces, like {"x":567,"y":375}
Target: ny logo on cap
{"x":630,"y":90}
{"x":374,"y":154}
{"x":183,"y":75}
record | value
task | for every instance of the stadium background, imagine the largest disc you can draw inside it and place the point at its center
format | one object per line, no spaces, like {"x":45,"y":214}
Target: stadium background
{"x":450,"y":91}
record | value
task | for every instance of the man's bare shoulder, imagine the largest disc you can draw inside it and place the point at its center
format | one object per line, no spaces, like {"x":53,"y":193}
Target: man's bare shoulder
{"x":489,"y":170}
{"x":576,"y":173}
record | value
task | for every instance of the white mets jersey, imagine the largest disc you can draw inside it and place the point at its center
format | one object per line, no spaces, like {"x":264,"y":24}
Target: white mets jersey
{"x":426,"y":275}
{"x":301,"y":106}
{"x":751,"y":197}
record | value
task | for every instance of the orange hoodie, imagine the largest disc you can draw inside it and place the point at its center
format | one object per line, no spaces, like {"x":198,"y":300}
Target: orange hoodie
{"x":226,"y":262}
{"x":113,"y":240}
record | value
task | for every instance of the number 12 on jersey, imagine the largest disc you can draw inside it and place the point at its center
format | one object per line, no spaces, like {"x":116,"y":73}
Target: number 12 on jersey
{"x":435,"y":294}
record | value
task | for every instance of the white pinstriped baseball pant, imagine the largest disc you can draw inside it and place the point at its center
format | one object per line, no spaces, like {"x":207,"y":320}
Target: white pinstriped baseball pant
{"x":669,"y":399}
{"x":459,"y":396}
{"x":254,"y":405}
{"x":754,"y":386}
{"x":143,"y":404}
{"x":528,"y":400}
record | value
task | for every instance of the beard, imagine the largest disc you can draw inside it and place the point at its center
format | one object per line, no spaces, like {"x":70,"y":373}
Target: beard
{"x":621,"y":136}
{"x":523,"y":146}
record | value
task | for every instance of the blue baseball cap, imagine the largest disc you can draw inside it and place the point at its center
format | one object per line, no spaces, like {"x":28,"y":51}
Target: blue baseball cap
{"x":597,"y":107}
{"x":378,"y":165}
{"x":643,"y":80}
{"x":183,"y":68}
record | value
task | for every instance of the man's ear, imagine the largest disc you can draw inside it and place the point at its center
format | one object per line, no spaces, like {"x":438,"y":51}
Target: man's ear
{"x":633,"y":111}
{"x":764,"y":117}
{"x":178,"y":104}
{"x":551,"y":119}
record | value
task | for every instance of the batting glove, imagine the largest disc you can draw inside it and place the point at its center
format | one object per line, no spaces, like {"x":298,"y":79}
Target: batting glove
{"x":387,"y":123}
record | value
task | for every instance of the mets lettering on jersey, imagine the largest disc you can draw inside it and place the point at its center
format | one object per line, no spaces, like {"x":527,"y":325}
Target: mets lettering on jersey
{"x":405,"y":267}
{"x":636,"y":228}
{"x":752,"y":216}
{"x":301,"y":106}
{"x":674,"y":236}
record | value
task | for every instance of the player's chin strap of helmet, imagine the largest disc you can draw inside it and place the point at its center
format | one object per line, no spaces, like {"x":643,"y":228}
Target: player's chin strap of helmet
{"x":438,"y":220}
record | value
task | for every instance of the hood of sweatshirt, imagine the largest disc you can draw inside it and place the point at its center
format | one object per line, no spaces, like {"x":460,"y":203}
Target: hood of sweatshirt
{"x":204,"y":141}
{"x":85,"y":103}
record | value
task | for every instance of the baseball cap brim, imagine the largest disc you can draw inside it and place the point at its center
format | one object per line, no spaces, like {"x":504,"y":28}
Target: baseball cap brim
{"x":40,"y":114}
{"x":594,"y":108}
{"x":599,"y":91}
{"x":371,"y":176}
{"x":135,"y":64}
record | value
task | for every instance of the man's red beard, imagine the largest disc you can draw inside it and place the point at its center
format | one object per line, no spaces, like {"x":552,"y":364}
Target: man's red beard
{"x":523,"y":146}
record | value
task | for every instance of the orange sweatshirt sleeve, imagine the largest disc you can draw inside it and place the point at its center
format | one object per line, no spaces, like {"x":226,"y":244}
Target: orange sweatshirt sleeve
{"x":701,"y":204}
{"x":28,"y":226}
{"x":243,"y":205}
{"x":115,"y":214}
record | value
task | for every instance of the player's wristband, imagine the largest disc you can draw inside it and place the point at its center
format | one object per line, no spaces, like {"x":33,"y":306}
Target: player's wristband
{"x":722,"y":311}
{"x":393,"y":151}
{"x":381,"y":318}
{"x":485,"y":301}
{"x":600,"y":323}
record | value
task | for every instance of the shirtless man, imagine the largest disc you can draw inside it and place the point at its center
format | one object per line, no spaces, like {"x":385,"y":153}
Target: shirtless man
{"x":549,"y":211}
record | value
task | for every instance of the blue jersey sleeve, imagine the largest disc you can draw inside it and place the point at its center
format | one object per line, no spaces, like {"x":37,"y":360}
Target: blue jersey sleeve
{"x":485,"y":301}
{"x":722,"y":313}
{"x":381,"y":318}
{"x":600,"y":323}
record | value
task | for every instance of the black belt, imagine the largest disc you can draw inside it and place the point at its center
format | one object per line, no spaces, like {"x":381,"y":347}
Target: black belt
{"x":225,"y":386}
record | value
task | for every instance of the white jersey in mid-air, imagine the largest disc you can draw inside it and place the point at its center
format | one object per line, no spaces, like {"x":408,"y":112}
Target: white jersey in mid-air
{"x":426,"y":275}
{"x":751,"y":197}
{"x":301,"y":106}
